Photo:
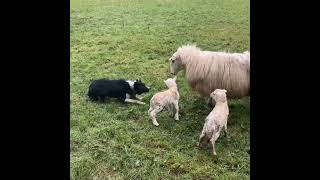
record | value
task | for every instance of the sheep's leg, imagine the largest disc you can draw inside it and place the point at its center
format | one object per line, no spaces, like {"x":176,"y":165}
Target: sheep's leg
{"x":153,"y":113}
{"x":213,"y":140}
{"x":150,"y":109}
{"x":225,"y":130}
{"x":201,"y":138}
{"x":176,"y":107}
{"x":172,"y":110}
{"x":152,"y":116}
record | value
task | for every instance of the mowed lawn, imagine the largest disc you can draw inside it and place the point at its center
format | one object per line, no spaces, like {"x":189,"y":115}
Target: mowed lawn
{"x":133,"y":39}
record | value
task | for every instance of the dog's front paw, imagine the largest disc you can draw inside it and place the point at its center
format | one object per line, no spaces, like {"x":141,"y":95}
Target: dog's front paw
{"x":156,"y":124}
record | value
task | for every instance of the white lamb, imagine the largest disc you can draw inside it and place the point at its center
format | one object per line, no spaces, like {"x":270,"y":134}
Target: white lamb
{"x":168,"y":99}
{"x":216,"y":120}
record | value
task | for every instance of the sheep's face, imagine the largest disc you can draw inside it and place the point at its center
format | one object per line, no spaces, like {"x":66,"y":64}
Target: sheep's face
{"x":175,"y":64}
{"x":219,"y":95}
{"x":171,"y":82}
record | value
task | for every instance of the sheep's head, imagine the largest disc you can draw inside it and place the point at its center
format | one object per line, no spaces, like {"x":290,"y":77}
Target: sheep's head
{"x":175,"y":63}
{"x":219,"y":95}
{"x":171,"y":82}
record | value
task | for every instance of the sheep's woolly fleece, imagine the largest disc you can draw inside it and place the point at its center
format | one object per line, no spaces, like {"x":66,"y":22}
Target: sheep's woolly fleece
{"x":207,"y":71}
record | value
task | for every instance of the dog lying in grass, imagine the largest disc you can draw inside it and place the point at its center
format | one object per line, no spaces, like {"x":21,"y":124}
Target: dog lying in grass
{"x":165,"y":100}
{"x":216,"y":120}
{"x":124,"y":90}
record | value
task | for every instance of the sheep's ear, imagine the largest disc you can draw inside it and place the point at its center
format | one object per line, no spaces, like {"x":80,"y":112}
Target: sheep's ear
{"x":225,"y":91}
{"x":175,"y":78}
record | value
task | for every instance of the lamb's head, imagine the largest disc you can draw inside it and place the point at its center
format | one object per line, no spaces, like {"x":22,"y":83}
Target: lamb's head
{"x":219,"y":95}
{"x":171,"y":82}
{"x":175,"y":63}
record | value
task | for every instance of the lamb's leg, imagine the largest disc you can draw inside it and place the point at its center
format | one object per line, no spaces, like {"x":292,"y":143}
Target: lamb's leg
{"x":176,"y":107}
{"x":172,"y":110}
{"x":225,"y":130}
{"x":150,"y":109}
{"x":202,"y":135}
{"x":153,"y":113}
{"x":213,"y":139}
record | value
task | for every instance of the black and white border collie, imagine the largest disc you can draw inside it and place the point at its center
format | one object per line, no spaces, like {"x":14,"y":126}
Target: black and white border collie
{"x":124,"y":90}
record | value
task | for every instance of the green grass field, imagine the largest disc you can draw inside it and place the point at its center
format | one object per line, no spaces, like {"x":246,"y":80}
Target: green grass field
{"x":134,"y":39}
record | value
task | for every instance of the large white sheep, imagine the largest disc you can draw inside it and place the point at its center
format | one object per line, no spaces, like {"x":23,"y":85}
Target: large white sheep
{"x":207,"y":70}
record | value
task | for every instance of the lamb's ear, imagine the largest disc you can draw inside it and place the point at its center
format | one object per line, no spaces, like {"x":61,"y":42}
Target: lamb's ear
{"x":225,"y":91}
{"x":175,"y":78}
